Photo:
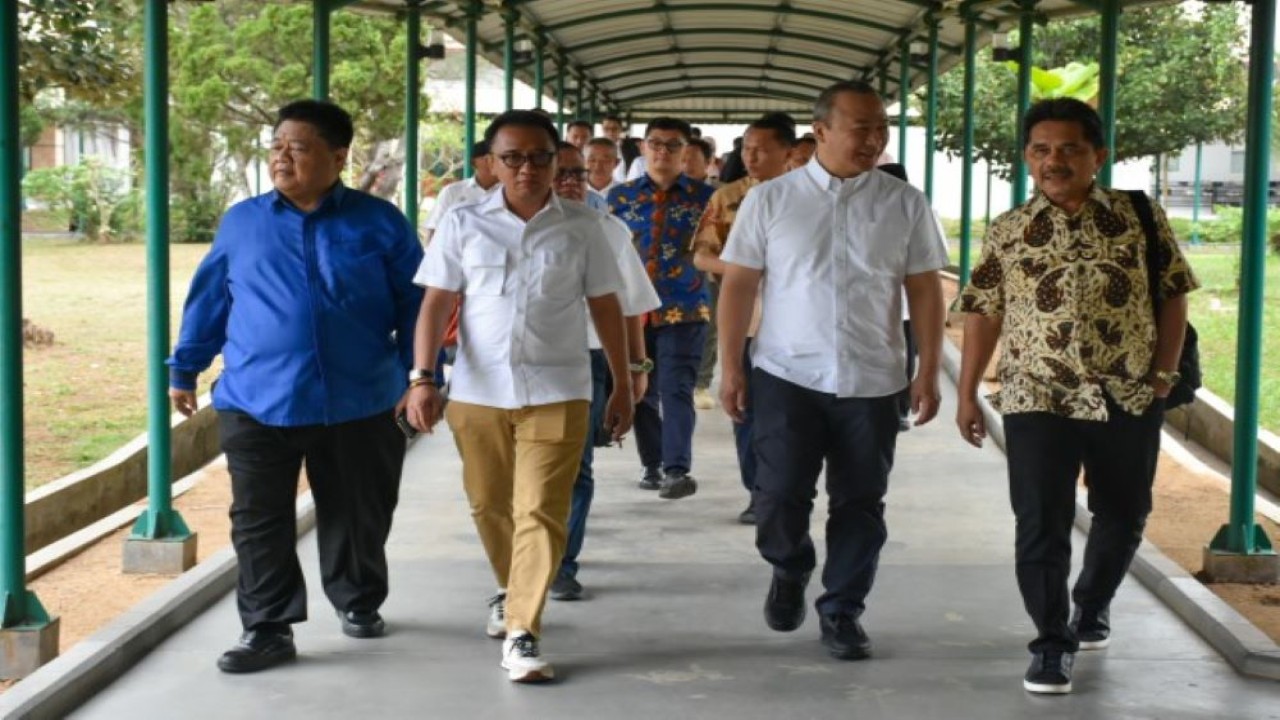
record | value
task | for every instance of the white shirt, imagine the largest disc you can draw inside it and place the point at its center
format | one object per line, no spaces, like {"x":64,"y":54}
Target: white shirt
{"x":639,"y":167}
{"x":522,"y":334}
{"x":456,"y":193}
{"x":834,"y":255}
{"x":603,"y":194}
{"x":637,"y":295}
{"x":620,"y":170}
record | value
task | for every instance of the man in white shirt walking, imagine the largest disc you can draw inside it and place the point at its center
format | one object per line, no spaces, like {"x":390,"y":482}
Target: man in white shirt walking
{"x":521,"y":387}
{"x":835,"y":243}
{"x":480,"y":184}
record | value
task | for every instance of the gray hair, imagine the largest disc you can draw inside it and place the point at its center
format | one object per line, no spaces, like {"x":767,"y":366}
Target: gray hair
{"x":822,"y":106}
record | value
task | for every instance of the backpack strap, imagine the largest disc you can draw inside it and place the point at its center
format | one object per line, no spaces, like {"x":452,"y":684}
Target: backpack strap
{"x":1142,"y":206}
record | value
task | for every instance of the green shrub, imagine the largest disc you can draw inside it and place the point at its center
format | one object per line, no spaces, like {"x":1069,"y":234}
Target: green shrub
{"x":89,"y":192}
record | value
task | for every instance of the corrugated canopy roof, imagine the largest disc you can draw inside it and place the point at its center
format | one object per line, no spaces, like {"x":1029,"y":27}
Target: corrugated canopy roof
{"x":725,"y":60}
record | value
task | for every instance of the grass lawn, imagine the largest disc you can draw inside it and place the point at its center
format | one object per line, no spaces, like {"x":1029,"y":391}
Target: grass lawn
{"x":86,"y":394}
{"x":1214,"y":313}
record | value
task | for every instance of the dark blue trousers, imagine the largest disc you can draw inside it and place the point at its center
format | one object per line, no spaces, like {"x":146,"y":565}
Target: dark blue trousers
{"x":584,"y":488}
{"x":742,"y":430}
{"x":856,"y":438}
{"x":666,"y":416}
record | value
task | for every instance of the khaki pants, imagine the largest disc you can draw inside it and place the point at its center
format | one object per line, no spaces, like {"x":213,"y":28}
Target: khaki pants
{"x":518,"y":468}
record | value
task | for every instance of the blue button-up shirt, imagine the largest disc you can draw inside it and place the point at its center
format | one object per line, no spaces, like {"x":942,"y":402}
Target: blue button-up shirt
{"x":313,"y":312}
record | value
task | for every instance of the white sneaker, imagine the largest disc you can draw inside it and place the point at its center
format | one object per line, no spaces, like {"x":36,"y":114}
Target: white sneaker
{"x":496,"y":627}
{"x":702,"y":399}
{"x":523,"y":661}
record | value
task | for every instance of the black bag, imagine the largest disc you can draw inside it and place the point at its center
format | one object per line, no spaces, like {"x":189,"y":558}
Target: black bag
{"x":1184,"y":392}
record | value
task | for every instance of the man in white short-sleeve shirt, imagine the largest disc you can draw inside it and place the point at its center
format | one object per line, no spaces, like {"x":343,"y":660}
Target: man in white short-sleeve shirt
{"x":835,"y":243}
{"x":637,"y":297}
{"x":481,"y":183}
{"x":521,"y":387}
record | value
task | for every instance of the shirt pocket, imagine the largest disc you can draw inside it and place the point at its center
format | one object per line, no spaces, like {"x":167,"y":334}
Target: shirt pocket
{"x":485,"y":265}
{"x":559,"y":275}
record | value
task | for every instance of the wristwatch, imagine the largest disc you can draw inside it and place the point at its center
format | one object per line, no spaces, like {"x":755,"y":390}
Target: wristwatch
{"x":422,"y":374}
{"x":644,"y":366}
{"x":1168,"y":377}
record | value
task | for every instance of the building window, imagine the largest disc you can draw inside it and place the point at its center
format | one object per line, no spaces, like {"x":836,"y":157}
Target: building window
{"x":1173,"y":164}
{"x":1237,"y":162}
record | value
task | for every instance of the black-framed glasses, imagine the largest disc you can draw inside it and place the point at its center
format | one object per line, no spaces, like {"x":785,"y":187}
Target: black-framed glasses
{"x":515,"y":160}
{"x":671,"y":146}
{"x":571,"y":174}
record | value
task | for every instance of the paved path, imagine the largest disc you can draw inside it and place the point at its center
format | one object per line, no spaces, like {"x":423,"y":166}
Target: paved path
{"x":672,"y":628}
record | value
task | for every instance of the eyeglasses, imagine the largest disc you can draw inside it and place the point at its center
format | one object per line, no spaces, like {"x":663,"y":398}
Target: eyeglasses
{"x":571,"y":174}
{"x":516,"y":160}
{"x":671,"y":146}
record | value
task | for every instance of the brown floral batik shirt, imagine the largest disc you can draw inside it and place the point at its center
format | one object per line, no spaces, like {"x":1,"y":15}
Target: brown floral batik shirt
{"x":1072,"y":289}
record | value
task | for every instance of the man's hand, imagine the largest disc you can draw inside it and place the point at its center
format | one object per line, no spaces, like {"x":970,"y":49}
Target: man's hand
{"x":423,"y":406}
{"x":925,"y":398}
{"x":619,"y":412}
{"x":973,"y":427}
{"x":1161,"y":389}
{"x":733,"y":393}
{"x":184,"y":401}
{"x":639,"y":386}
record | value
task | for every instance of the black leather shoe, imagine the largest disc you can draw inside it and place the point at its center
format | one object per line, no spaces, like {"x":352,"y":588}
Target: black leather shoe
{"x":1092,"y":628}
{"x":784,"y":607}
{"x":651,"y":480}
{"x":676,"y":486}
{"x":361,"y":624}
{"x":259,"y":649}
{"x":748,"y":516}
{"x":844,"y":637}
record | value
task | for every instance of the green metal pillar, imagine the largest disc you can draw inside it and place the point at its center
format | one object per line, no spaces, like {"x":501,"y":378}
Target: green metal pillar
{"x":1025,"y":58}
{"x":577,"y":98}
{"x":539,"y":77}
{"x":931,"y":109}
{"x":509,"y":57}
{"x":321,"y":14}
{"x":560,"y":73}
{"x":591,"y":113}
{"x":904,"y":100}
{"x":966,"y":154}
{"x":882,"y":84}
{"x":469,"y":116}
{"x":159,"y":521}
{"x":21,"y":608}
{"x":1107,"y":69}
{"x":412,"y":108}
{"x":1195,"y":195}
{"x":1242,"y":535}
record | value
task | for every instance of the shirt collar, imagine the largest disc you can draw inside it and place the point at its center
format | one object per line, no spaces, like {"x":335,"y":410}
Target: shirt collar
{"x":1040,"y":202}
{"x":829,"y":182}
{"x":495,"y":201}
{"x":334,"y":197}
{"x":682,"y":181}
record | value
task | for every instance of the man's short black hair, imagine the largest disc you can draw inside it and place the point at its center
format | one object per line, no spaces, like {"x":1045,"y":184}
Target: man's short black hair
{"x":611,"y":116}
{"x":781,"y":124}
{"x":521,"y":118}
{"x":822,"y":106}
{"x":703,"y":146}
{"x":602,"y":142}
{"x":695,"y":132}
{"x":806,"y":140}
{"x":330,"y":121}
{"x":669,"y":123}
{"x":562,"y":145}
{"x":479,"y":149}
{"x":1067,"y":110}
{"x":579,"y":123}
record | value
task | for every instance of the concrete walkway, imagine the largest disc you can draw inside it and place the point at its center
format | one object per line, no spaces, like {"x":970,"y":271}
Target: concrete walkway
{"x":672,"y":627}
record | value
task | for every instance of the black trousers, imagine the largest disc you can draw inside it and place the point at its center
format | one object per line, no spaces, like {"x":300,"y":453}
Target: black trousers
{"x":1045,"y":454}
{"x":797,"y":430}
{"x":904,"y":397}
{"x":354,"y":472}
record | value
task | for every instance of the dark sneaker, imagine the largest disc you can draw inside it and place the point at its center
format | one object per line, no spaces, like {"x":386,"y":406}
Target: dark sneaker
{"x":566,"y":587}
{"x":784,"y":607}
{"x":748,"y":516}
{"x":1050,"y":672}
{"x":361,"y":624}
{"x":843,"y":635}
{"x":1092,"y":629}
{"x":904,"y":424}
{"x":523,"y":661}
{"x":651,"y":480}
{"x":259,"y":649}
{"x":676,"y":486}
{"x":496,"y":626}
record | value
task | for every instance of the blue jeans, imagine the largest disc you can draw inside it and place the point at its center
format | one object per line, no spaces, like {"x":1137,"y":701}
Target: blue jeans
{"x":584,"y":488}
{"x":665,"y":417}
{"x":742,"y":430}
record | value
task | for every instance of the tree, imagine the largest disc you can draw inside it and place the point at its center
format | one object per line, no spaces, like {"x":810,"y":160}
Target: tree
{"x":1181,"y":80}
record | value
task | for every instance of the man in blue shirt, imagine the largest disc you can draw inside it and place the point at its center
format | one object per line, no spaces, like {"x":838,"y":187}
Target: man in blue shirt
{"x":308,"y":294}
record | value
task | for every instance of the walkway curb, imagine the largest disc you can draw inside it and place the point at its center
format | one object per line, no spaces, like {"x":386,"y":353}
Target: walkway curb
{"x":1249,"y":650}
{"x":68,"y":681}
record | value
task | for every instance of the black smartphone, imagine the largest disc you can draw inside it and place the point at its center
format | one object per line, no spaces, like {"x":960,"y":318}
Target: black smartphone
{"x":409,"y":431}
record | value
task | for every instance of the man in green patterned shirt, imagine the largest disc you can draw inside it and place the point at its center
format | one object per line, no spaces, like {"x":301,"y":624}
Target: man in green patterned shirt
{"x":1085,"y":366}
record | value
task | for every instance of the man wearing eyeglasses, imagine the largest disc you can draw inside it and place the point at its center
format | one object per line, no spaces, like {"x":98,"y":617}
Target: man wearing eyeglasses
{"x":530,"y":265}
{"x":637,"y":298}
{"x":662,"y":208}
